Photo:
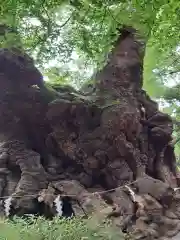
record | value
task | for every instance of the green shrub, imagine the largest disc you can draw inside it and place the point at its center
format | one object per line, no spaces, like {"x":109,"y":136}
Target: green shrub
{"x":58,"y":229}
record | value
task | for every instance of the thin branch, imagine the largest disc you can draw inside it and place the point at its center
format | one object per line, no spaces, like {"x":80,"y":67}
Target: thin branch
{"x":173,"y":72}
{"x":174,"y":61}
{"x":61,"y":26}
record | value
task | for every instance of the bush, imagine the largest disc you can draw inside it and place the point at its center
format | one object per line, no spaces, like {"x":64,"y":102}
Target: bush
{"x":58,"y":229}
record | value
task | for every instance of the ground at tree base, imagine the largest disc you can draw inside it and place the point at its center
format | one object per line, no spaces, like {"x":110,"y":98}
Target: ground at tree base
{"x":79,"y":150}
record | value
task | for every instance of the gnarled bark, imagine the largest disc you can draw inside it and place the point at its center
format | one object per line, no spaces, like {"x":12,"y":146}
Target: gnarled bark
{"x":70,"y":148}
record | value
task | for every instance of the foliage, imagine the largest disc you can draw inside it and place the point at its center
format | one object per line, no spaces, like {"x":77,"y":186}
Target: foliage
{"x":81,"y":32}
{"x":58,"y":229}
{"x":172,"y":97}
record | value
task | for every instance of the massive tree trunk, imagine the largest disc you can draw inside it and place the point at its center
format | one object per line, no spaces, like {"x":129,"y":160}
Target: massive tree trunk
{"x":117,"y":144}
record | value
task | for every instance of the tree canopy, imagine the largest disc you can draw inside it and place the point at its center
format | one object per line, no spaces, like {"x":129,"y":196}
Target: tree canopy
{"x":80,"y":33}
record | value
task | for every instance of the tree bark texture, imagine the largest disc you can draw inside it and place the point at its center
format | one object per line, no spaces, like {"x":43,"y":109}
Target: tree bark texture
{"x":110,"y":157}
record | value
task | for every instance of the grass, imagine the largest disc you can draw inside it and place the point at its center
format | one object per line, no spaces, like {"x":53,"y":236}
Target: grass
{"x":58,"y":229}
